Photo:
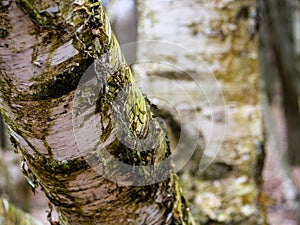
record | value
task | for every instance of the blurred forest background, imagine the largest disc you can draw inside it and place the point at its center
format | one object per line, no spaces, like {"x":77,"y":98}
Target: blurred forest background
{"x":279,"y":82}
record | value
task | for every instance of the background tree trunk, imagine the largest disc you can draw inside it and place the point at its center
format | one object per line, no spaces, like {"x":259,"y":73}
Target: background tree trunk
{"x":45,"y":49}
{"x":279,"y":61}
{"x":220,"y":35}
{"x":279,"y":57}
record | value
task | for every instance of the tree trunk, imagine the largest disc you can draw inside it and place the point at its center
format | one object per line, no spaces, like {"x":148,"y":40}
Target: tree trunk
{"x":196,"y":42}
{"x":118,"y":173}
{"x":276,"y":40}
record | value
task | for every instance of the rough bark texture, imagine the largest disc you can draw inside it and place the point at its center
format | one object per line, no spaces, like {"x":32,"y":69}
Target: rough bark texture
{"x":222,"y":34}
{"x":46,"y":46}
{"x":279,"y":59}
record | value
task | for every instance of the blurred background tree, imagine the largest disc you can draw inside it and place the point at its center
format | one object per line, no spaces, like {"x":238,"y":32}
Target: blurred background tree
{"x":280,"y":64}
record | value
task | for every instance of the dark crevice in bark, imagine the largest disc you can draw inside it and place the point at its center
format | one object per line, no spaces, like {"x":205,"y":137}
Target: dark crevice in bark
{"x":63,"y":83}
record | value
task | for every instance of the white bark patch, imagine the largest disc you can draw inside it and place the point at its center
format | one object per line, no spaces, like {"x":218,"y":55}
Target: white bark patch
{"x":63,"y":53}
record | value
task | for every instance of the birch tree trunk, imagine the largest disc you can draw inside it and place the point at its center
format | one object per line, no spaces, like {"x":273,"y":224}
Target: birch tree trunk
{"x":217,"y":40}
{"x":46,"y":47}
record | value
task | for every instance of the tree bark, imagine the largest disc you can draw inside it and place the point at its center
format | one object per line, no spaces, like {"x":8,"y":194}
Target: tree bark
{"x":213,"y":43}
{"x":276,"y":41}
{"x":45,"y":49}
